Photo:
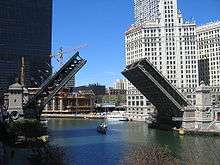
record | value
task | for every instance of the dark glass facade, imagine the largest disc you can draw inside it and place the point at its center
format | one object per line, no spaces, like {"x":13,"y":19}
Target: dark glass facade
{"x":96,"y":88}
{"x":25,"y":30}
{"x":203,"y":66}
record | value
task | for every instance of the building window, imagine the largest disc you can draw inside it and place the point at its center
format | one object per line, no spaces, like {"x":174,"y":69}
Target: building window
{"x":218,"y":116}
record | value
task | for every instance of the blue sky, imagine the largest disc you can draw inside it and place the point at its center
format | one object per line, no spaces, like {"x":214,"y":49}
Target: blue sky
{"x":101,"y":25}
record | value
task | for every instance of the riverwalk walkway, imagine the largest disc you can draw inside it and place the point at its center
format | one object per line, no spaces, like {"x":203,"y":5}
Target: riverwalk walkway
{"x":85,"y":116}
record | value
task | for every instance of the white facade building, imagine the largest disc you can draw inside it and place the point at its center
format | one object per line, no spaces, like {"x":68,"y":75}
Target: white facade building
{"x":160,"y":35}
{"x":208,"y":41}
{"x":120,"y":84}
{"x":146,"y":10}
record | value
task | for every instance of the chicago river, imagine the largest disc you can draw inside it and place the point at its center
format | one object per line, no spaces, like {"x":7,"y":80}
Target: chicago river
{"x":83,"y":145}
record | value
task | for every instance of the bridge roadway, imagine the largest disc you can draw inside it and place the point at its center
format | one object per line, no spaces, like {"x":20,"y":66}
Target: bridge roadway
{"x":158,"y":90}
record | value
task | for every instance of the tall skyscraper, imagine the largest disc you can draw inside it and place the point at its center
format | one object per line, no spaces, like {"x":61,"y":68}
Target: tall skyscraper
{"x":25,"y":31}
{"x":146,"y":10}
{"x":169,"y":43}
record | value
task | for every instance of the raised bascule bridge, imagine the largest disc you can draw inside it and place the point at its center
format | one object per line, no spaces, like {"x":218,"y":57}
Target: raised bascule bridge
{"x":168,"y":101}
{"x":35,"y":105}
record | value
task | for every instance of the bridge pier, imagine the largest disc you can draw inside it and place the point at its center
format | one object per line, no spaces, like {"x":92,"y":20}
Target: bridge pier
{"x":165,"y":121}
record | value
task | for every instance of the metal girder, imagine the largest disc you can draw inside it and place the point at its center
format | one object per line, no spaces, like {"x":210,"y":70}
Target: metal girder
{"x":155,"y":87}
{"x":36,"y":104}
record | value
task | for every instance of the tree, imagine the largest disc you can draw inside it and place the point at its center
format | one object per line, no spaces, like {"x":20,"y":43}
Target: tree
{"x":29,"y":128}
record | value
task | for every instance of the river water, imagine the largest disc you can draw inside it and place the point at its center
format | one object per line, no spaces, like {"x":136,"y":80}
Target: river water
{"x":84,"y":146}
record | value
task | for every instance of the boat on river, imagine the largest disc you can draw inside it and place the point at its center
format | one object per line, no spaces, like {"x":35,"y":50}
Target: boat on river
{"x":117,"y":116}
{"x":102,"y":128}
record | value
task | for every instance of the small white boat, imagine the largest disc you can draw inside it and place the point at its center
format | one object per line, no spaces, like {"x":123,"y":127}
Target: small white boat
{"x":102,"y":128}
{"x":115,"y":115}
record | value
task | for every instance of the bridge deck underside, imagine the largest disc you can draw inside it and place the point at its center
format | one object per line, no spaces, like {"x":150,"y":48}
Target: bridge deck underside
{"x":156,"y":88}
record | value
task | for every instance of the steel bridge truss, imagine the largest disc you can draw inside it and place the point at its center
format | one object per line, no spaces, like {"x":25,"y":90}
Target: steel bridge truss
{"x":34,"y":107}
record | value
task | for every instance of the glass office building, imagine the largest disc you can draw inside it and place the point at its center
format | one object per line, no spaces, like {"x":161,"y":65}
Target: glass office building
{"x":25,"y":30}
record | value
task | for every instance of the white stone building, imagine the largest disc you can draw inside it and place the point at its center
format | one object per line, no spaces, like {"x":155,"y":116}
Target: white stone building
{"x":146,"y":10}
{"x":160,"y":35}
{"x":208,"y":42}
{"x":204,"y":116}
{"x":120,"y":84}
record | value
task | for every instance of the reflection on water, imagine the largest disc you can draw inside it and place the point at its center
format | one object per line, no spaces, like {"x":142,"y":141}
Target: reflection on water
{"x":83,"y":145}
